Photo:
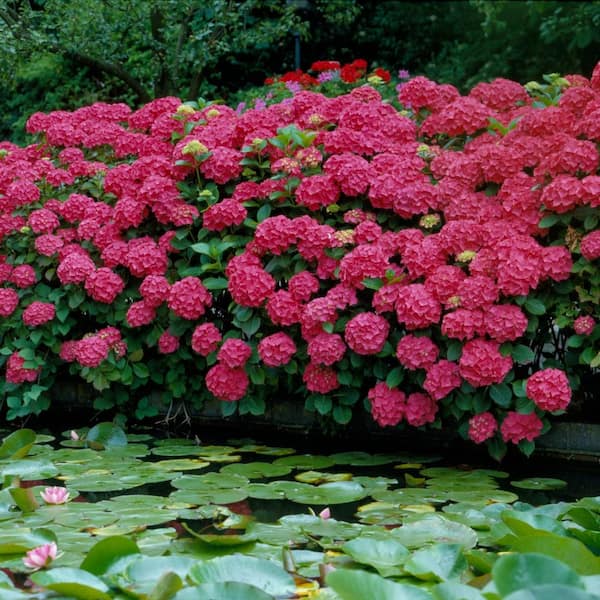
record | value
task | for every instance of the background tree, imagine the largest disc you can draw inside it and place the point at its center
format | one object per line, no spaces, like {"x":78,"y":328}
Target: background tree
{"x":67,"y":53}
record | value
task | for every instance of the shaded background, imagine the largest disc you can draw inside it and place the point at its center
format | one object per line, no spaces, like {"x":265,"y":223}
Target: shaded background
{"x":68,"y":53}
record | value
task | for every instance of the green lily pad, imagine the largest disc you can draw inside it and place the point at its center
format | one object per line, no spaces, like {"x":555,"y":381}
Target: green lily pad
{"x":551,"y":592}
{"x":29,"y":469}
{"x":106,"y":552}
{"x":513,"y":572}
{"x":257,"y":470}
{"x":451,"y":590}
{"x":261,"y":573}
{"x":539,"y":483}
{"x":230,"y":590}
{"x":104,"y":436}
{"x":17,"y":444}
{"x":74,"y":583}
{"x":434,"y":528}
{"x":265,"y":491}
{"x":305,"y":462}
{"x":337,"y":492}
{"x":384,"y":554}
{"x":318,"y":477}
{"x":441,"y":562}
{"x":214,"y":481}
{"x":180,"y":464}
{"x":209,"y":496}
{"x":22,"y":539}
{"x":363,"y":459}
{"x":358,"y":585}
{"x":266,"y":450}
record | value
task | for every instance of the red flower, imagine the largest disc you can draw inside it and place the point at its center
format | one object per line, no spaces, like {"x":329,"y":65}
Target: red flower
{"x":38,"y":313}
{"x":326,"y":348}
{"x":387,"y":404}
{"x":442,"y":378}
{"x":9,"y":300}
{"x":188,"y":298}
{"x":140,"y":313}
{"x":155,"y":289}
{"x":366,"y":333}
{"x":416,"y":352}
{"x":319,"y":378}
{"x":226,"y":383}
{"x":104,"y":285}
{"x":583,"y":325}
{"x":16,"y":373}
{"x":250,"y":286}
{"x":517,"y":427}
{"x":482,"y":364}
{"x":168,"y":343}
{"x":276,"y":349}
{"x":91,"y":351}
{"x":417,"y":307}
{"x":482,"y":427}
{"x":420,"y":409}
{"x":23,"y":276}
{"x":549,"y":389}
{"x":206,"y":339}
{"x":234,"y":353}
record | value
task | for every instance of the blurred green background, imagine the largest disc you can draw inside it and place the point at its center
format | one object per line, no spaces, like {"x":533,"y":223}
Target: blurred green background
{"x":68,"y":53}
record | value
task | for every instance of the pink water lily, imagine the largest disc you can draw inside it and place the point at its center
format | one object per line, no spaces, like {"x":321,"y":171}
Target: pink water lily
{"x":55,"y":495}
{"x":41,"y":557}
{"x":325,"y":513}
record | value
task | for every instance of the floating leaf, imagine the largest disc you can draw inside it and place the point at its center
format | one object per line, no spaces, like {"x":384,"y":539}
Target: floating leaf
{"x":105,"y":436}
{"x":359,"y":585}
{"x":257,"y":470}
{"x":384,"y":554}
{"x":338,"y":492}
{"x":318,"y":477}
{"x":451,"y":590}
{"x":223,"y":591}
{"x":106,"y":552}
{"x":441,"y":562}
{"x":261,"y":573}
{"x":513,"y":572}
{"x":17,"y":444}
{"x":74,"y":583}
{"x":539,"y":483}
{"x":363,"y":459}
{"x":434,"y":528}
{"x":305,"y":461}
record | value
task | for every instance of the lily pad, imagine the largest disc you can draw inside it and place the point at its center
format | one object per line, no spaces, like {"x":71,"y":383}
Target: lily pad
{"x":213,"y":481}
{"x":104,"y":436}
{"x":363,"y":459}
{"x":17,"y":444}
{"x":257,"y":470}
{"x":337,"y":492}
{"x":305,"y":462}
{"x":384,"y":554}
{"x":434,"y":528}
{"x":441,"y":562}
{"x":230,"y":590}
{"x":74,"y":583}
{"x":261,"y":573}
{"x":358,"y":585}
{"x":539,"y":483}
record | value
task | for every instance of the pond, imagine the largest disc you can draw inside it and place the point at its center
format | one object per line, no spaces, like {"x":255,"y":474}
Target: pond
{"x":157,"y":518}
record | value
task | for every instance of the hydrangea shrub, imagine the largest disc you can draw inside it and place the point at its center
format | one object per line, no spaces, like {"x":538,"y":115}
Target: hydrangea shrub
{"x":425,"y":256}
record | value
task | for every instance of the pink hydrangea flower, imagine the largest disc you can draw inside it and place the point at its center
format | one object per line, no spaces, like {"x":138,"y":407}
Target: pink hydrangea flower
{"x":227,"y":384}
{"x":319,"y":378}
{"x":168,"y":343}
{"x":517,"y":427}
{"x":420,"y":409}
{"x":366,"y":333}
{"x":584,"y":325}
{"x":9,"y":300}
{"x":482,"y":364}
{"x":38,"y":313}
{"x":206,"y":339}
{"x":277,"y":349}
{"x":234,"y":353}
{"x":417,"y":352}
{"x":387,"y":404}
{"x":549,"y":389}
{"x":482,"y":427}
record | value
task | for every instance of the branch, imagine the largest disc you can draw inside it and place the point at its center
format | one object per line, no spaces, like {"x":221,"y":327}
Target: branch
{"x":109,"y":68}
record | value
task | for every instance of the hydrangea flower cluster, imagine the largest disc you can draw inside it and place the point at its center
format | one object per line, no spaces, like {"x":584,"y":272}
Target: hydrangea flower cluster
{"x":398,"y":257}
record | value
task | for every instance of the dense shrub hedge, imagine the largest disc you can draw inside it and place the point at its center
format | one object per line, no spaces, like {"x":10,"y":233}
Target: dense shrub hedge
{"x":426,"y":255}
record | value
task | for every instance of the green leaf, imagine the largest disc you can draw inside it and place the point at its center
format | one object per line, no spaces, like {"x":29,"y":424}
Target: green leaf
{"x":261,"y":573}
{"x":323,"y":404}
{"x":215,"y":283}
{"x":501,"y":394}
{"x":534,"y":306}
{"x":453,"y":591}
{"x":106,"y":552}
{"x":514,"y":572}
{"x":106,"y":435}
{"x":395,"y":377}
{"x":437,"y":563}
{"x":166,"y":586}
{"x":342,"y":414}
{"x":223,"y":591}
{"x":454,"y":350}
{"x":17,"y":444}
{"x":384,"y":554}
{"x":551,"y":591}
{"x":263,"y":212}
{"x":24,"y":499}
{"x":74,"y":583}
{"x":548,"y":221}
{"x":522,"y":354}
{"x":360,"y":585}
